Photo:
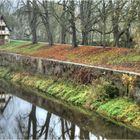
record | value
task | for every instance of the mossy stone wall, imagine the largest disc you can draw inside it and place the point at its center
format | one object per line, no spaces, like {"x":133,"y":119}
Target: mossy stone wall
{"x":62,"y":69}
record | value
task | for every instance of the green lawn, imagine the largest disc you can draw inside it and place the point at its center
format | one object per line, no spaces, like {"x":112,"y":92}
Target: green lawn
{"x":19,"y":46}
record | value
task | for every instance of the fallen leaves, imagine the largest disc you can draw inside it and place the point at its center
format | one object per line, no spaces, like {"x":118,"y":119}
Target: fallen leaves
{"x":117,"y":58}
{"x":93,"y":55}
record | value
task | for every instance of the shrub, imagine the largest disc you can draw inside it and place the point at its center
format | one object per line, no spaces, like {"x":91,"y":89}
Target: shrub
{"x":105,"y":90}
{"x":128,"y":82}
{"x":111,"y":90}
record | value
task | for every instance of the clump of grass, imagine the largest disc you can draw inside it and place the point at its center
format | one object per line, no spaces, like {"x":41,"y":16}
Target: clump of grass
{"x":123,"y":110}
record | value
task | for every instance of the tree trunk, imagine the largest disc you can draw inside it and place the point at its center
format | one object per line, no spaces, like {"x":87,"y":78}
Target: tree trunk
{"x":74,"y":38}
{"x":115,"y":24}
{"x":73,"y":26}
{"x":84,"y":38}
{"x":116,"y":38}
{"x":32,"y":18}
{"x":34,"y":35}
{"x":104,"y":24}
{"x":128,"y":38}
{"x":49,"y":34}
{"x":64,"y":24}
{"x":63,"y":36}
{"x":45,"y":20}
{"x":83,"y":22}
{"x":139,"y":23}
{"x":104,"y":35}
{"x":116,"y":32}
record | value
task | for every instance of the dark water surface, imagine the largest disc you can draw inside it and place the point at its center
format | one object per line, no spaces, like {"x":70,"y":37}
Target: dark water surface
{"x":24,"y":115}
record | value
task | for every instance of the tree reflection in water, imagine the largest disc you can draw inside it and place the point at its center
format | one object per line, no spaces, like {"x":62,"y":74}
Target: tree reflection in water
{"x":27,"y":123}
{"x":52,"y":127}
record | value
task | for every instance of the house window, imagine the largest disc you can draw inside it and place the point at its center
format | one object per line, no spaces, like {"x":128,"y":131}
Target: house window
{"x":2,"y":28}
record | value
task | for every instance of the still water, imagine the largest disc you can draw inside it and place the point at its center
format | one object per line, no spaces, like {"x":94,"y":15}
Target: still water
{"x":24,"y":115}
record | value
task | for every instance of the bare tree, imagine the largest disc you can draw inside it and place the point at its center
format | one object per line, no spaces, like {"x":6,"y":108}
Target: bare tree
{"x":5,"y":7}
{"x":116,"y":17}
{"x":59,"y":11}
{"x":43,"y":9}
{"x":85,"y":7}
{"x":104,"y":14}
{"x":72,"y":20}
{"x":82,"y":21}
{"x":32,"y":19}
{"x":64,"y":23}
{"x":86,"y":18}
{"x":129,"y":19}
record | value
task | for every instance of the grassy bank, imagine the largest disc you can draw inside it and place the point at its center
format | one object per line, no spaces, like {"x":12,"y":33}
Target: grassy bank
{"x":102,"y":96}
{"x":117,"y":58}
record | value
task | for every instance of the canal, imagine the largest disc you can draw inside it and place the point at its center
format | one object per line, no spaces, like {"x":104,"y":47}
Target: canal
{"x":24,"y":114}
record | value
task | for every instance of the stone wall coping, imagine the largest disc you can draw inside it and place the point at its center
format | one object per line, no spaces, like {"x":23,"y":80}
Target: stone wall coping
{"x":73,"y":63}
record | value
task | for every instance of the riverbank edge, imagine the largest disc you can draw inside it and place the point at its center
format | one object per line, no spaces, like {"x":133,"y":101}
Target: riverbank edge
{"x":13,"y":78}
{"x":82,"y":113}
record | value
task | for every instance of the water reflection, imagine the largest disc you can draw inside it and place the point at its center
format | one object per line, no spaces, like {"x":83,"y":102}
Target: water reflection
{"x":20,"y":119}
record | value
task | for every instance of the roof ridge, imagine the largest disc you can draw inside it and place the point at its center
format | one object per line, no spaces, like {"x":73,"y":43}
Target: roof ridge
{"x":6,"y":25}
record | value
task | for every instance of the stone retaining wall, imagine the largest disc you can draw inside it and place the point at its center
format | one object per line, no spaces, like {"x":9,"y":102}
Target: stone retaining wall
{"x":72,"y":71}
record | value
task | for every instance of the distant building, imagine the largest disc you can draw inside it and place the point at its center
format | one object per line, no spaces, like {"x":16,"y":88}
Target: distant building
{"x":4,"y":31}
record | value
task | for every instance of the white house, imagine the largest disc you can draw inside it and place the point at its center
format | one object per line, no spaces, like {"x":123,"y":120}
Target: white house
{"x":4,"y":31}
